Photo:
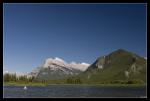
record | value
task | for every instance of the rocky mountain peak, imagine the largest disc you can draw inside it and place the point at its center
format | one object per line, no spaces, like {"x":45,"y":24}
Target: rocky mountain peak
{"x":52,"y":61}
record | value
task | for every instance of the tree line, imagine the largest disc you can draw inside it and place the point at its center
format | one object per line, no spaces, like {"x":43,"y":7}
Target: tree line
{"x":14,"y":78}
{"x":73,"y":81}
{"x":134,"y":81}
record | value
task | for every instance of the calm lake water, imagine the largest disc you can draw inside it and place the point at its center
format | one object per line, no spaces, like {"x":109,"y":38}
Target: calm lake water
{"x":73,"y":91}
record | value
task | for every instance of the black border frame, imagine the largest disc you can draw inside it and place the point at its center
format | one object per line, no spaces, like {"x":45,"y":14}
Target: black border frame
{"x":74,"y":1}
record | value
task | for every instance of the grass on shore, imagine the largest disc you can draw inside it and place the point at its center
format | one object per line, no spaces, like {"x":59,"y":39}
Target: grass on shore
{"x":23,"y":84}
{"x":45,"y":84}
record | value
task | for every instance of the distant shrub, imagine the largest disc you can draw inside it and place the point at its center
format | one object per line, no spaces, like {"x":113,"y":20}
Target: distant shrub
{"x":73,"y":81}
{"x":135,"y":81}
{"x":117,"y":82}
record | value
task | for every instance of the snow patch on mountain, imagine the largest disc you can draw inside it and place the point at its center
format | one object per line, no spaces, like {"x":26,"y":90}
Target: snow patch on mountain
{"x":86,"y":64}
{"x":80,"y":66}
{"x":59,"y":59}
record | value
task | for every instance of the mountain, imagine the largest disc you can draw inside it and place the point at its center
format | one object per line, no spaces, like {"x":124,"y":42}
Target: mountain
{"x":57,"y":68}
{"x":119,"y":65}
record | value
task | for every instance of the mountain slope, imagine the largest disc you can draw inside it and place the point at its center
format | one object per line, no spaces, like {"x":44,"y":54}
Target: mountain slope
{"x":118,"y":65}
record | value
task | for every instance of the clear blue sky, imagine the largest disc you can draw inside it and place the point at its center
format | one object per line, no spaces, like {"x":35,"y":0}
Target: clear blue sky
{"x":73,"y":32}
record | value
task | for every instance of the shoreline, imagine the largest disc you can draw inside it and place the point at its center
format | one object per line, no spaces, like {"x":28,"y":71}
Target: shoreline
{"x":40,"y":84}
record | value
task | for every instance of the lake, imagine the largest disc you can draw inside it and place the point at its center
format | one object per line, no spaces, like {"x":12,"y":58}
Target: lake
{"x":73,"y":91}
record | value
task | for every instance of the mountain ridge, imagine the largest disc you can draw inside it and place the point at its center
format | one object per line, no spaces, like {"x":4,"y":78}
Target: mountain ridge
{"x":119,"y":65}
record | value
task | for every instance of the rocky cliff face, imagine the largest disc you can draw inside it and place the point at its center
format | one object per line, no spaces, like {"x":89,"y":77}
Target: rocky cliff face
{"x":57,"y":68}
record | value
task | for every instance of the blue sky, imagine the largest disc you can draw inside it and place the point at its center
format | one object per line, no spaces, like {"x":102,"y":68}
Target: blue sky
{"x":73,"y":32}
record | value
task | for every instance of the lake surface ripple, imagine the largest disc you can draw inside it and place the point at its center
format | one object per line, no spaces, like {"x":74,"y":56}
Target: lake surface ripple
{"x":73,"y":91}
